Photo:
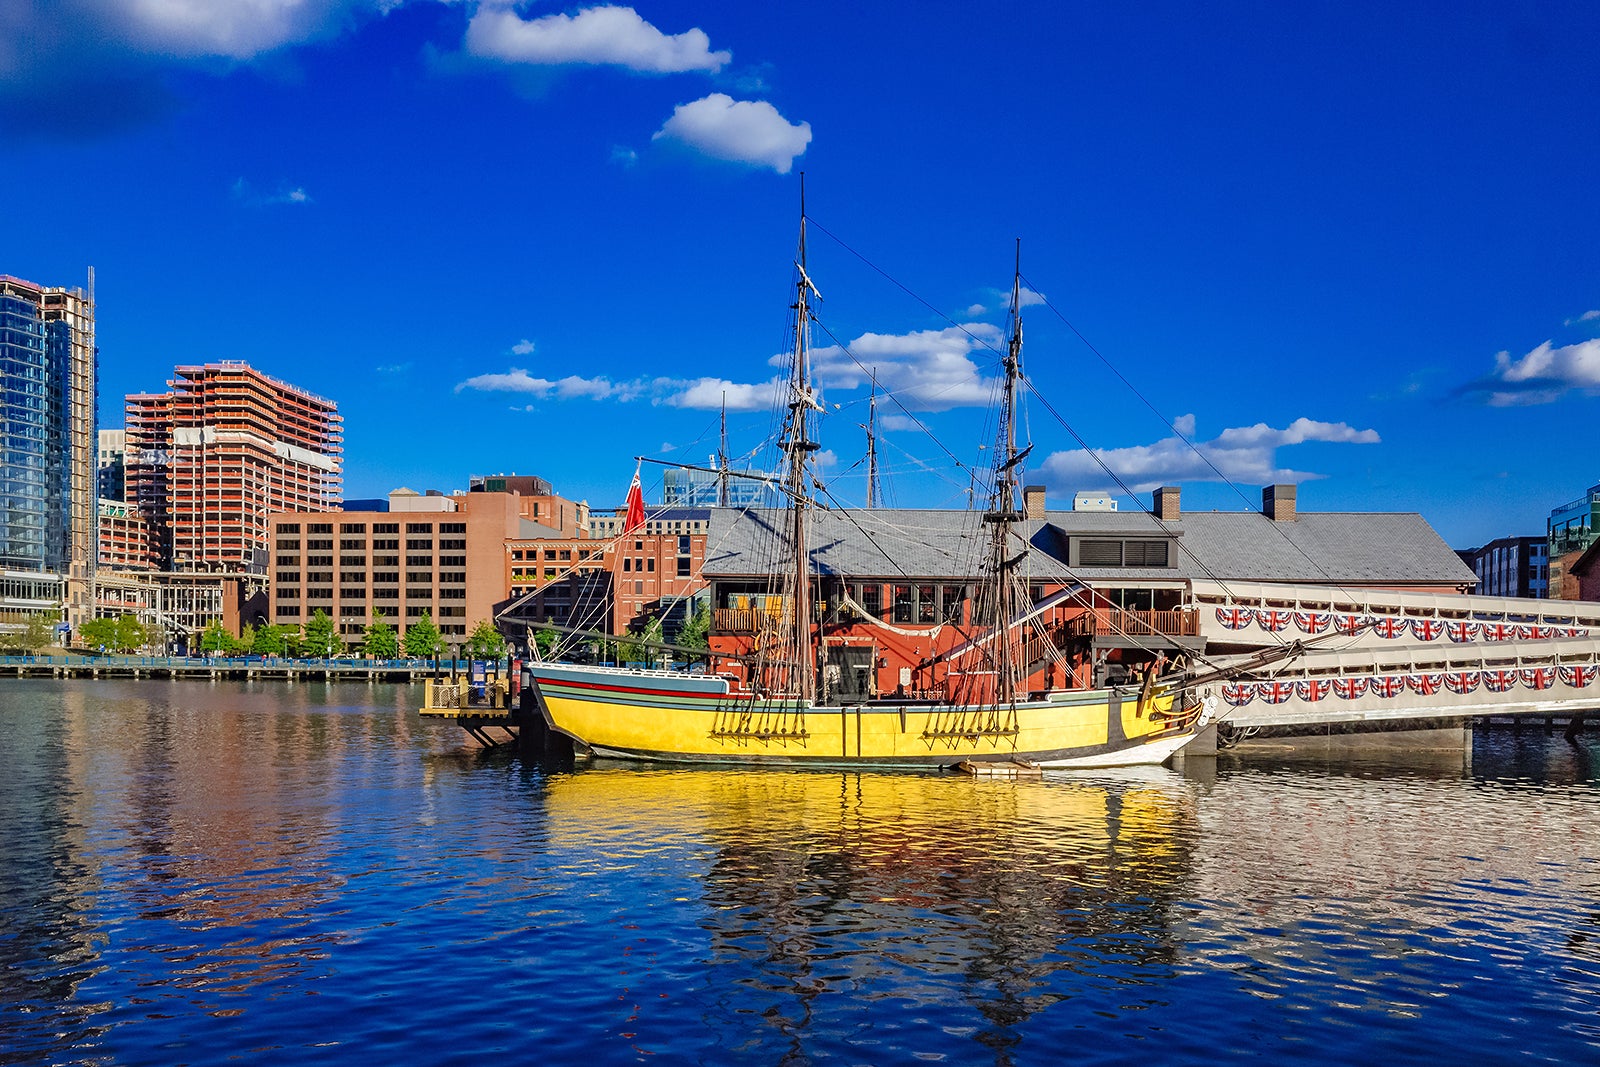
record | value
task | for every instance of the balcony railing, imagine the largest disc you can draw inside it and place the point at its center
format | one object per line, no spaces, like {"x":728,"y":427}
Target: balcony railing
{"x":1117,"y":622}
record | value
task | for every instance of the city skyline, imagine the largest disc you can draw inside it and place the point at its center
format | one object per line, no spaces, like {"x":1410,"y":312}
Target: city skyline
{"x":1348,"y":248}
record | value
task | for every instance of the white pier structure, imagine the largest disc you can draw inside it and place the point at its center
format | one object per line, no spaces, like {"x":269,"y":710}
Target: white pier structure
{"x":1382,"y":656}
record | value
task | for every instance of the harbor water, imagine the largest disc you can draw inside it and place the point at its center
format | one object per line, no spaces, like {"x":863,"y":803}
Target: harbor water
{"x":207,"y":872}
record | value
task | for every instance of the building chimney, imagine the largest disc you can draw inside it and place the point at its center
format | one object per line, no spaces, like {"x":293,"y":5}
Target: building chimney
{"x":1033,"y":501}
{"x":1277,"y":502}
{"x":1166,"y":503}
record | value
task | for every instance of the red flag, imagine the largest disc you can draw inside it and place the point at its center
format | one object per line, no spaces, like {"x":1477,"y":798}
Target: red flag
{"x":635,"y":517}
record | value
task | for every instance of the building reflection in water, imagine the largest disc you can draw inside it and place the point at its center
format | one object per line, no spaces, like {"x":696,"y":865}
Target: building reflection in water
{"x":839,"y":902}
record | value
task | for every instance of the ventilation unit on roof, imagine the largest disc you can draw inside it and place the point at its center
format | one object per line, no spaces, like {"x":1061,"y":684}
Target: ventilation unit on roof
{"x":1094,"y":502}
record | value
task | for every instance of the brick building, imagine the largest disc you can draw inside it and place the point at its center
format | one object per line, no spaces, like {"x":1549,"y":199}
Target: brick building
{"x":208,"y":462}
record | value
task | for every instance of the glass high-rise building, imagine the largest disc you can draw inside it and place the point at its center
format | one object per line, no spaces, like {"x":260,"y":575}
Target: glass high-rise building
{"x":47,"y":444}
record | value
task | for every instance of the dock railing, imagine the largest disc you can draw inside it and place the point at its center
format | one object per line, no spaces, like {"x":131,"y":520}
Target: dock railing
{"x":460,"y":697}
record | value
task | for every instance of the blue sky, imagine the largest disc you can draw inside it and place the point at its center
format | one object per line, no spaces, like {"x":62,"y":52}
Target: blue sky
{"x":1332,"y":243}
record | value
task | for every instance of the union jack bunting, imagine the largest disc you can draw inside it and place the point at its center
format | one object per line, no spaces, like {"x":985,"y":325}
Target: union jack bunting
{"x":1272,"y":621}
{"x":1580,"y":676}
{"x":1388,"y":627}
{"x":1239,"y":693}
{"x":1461,"y":632}
{"x":1235,"y":618}
{"x":1462,"y":682}
{"x":1425,"y":684}
{"x":1499,"y":681}
{"x":1350,"y":688}
{"x":1313,"y":690}
{"x":1538,"y":677}
{"x":1349,"y":624}
{"x":1275,"y":692}
{"x":1312,"y":622}
{"x":1388,"y":685}
{"x":1499,"y":631}
{"x":1427,"y":629}
{"x":1535,"y":633}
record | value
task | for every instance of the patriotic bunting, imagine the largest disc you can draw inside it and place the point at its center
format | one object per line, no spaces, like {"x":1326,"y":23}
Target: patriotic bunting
{"x":1275,"y":692}
{"x":1313,"y":689}
{"x":1312,"y":622}
{"x":1501,"y":681}
{"x":1389,"y":628}
{"x":1425,"y":684}
{"x":1538,"y":677}
{"x":1427,"y":629}
{"x":1461,"y":682}
{"x":1461,"y":632}
{"x":1235,"y":618}
{"x":1349,"y":624}
{"x":1535,"y":633}
{"x":1388,"y":685}
{"x":1499,"y":631}
{"x":1239,"y":693}
{"x":1350,"y":688}
{"x":1579,"y":676}
{"x":1272,"y":621}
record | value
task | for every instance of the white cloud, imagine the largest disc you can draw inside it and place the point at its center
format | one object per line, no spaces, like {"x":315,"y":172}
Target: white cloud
{"x":741,"y":131}
{"x":523,"y":347}
{"x":930,"y":370}
{"x":247,"y":194}
{"x":624,"y":156}
{"x":1246,"y":454}
{"x":236,"y":29}
{"x":1543,"y":375}
{"x":709,"y":394}
{"x":600,"y":36}
{"x":572,"y":387}
{"x":1000,"y":300}
{"x":1587,"y":316}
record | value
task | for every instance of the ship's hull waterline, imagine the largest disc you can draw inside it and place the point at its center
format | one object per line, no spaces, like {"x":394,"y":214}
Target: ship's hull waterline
{"x":672,"y":717}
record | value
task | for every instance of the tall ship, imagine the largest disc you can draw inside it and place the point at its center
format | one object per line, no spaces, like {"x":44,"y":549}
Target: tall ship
{"x":802,"y":673}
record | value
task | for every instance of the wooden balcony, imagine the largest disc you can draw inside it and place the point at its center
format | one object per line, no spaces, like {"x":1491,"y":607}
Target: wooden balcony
{"x":1115,"y":622}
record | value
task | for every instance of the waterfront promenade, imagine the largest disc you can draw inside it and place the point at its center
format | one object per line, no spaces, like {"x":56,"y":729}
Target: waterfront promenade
{"x":250,"y":668}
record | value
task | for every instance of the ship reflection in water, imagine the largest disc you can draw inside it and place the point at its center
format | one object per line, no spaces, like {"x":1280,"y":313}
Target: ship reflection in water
{"x":200,"y":873}
{"x":849,"y":906}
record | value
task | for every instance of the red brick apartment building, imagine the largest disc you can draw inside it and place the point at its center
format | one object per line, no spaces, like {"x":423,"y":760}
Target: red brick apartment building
{"x":124,"y":538}
{"x":208,"y":462}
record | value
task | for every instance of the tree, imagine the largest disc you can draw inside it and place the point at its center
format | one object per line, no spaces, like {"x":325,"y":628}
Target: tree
{"x":39,"y":632}
{"x":216,"y":638}
{"x":485,"y":642}
{"x":129,"y":634}
{"x":321,"y":638}
{"x":99,"y":633}
{"x":633,"y":647}
{"x":423,"y":640}
{"x":380,"y":641}
{"x":269,"y":641}
{"x":696,"y":629}
{"x":246,"y":642}
{"x":545,"y":641}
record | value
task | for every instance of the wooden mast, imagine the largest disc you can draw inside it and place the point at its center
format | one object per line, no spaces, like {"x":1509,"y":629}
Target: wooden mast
{"x":1002,"y":513}
{"x":797,"y":479}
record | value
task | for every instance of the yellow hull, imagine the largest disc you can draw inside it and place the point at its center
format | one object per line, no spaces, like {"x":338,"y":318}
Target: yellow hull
{"x":685,"y":718}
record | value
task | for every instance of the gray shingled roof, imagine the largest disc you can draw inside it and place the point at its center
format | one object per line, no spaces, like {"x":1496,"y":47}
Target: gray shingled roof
{"x":1317,"y":547}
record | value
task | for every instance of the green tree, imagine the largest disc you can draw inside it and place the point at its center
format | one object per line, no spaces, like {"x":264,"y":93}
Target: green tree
{"x":633,"y":647}
{"x":485,"y":642}
{"x":99,"y":633}
{"x":129,"y":633}
{"x":39,"y":632}
{"x":380,"y":641}
{"x":696,"y":630}
{"x":423,"y":640}
{"x":269,"y":641}
{"x":545,"y":641}
{"x":216,"y":638}
{"x":321,"y":639}
{"x":294,"y":642}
